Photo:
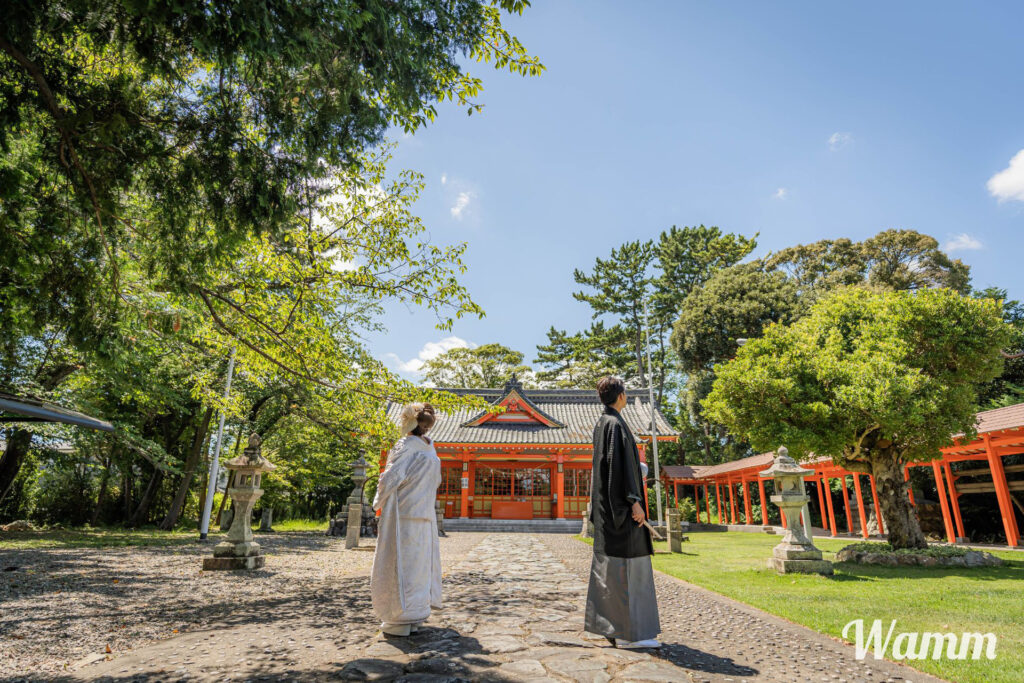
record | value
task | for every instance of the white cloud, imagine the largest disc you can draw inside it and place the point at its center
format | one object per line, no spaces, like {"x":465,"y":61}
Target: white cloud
{"x":429,"y":351}
{"x":781,"y":193}
{"x":838,"y":140}
{"x":961,"y":242}
{"x":1009,"y":183}
{"x":461,"y":203}
{"x":444,"y":178}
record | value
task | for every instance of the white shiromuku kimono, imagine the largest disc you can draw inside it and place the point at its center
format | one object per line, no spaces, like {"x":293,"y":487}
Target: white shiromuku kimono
{"x":405,"y":582}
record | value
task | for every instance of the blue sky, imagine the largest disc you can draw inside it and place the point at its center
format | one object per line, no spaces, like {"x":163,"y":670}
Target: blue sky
{"x":796,"y":120}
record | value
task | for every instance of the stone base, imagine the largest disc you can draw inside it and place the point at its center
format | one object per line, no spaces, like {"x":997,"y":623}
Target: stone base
{"x":243,"y":549}
{"x":794,"y":551}
{"x":250,"y":562}
{"x":801,"y":566}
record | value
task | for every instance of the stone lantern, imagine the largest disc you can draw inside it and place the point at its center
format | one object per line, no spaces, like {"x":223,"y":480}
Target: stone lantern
{"x":796,"y":553}
{"x":239,"y":550}
{"x":355,"y":518}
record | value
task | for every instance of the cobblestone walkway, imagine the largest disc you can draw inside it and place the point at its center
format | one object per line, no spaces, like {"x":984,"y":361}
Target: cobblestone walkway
{"x":513,"y":612}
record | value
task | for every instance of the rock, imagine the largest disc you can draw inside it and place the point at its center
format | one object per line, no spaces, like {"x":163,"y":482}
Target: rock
{"x":649,"y":671}
{"x":19,"y":525}
{"x":578,"y":668}
{"x":562,"y":640}
{"x":500,"y":644}
{"x":371,"y":670}
{"x":529,"y":668}
{"x":977,"y":558}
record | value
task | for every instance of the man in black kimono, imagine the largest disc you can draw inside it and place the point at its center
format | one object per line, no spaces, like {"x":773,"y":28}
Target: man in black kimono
{"x":621,"y":604}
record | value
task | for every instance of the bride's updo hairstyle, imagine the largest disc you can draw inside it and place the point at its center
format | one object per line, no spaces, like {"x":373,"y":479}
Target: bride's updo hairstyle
{"x":417,"y":418}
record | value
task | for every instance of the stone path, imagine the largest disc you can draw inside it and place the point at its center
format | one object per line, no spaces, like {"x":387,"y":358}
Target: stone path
{"x":513,"y":612}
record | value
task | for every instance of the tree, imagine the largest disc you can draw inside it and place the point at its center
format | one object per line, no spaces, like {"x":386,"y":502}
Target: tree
{"x":892,"y":260}
{"x":580,"y":360}
{"x":172,"y":133}
{"x":873,"y":380}
{"x":484,"y":367}
{"x":1008,"y":388}
{"x":735,"y":303}
{"x":620,"y":285}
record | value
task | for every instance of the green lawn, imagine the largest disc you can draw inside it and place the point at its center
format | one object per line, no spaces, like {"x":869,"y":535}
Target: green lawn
{"x":115,"y":538}
{"x":300,"y":525}
{"x":920,"y":599}
{"x":94,"y":538}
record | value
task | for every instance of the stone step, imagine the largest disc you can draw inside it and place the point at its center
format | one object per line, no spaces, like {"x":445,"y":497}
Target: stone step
{"x":535,"y":526}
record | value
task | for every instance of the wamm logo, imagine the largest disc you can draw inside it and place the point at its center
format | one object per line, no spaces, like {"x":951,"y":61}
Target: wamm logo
{"x":918,"y":645}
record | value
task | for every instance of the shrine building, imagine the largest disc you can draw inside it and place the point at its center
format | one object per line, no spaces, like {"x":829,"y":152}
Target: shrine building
{"x":531,"y":460}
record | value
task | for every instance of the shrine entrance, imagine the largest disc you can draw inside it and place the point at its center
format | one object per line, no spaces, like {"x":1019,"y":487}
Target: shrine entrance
{"x":512,"y":491}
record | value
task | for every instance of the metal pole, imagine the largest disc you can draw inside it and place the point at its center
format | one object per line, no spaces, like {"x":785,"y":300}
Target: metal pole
{"x":654,"y":430}
{"x":211,"y":486}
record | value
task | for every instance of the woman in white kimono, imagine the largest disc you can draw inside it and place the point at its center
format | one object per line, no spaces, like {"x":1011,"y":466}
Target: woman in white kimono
{"x":406,"y":579}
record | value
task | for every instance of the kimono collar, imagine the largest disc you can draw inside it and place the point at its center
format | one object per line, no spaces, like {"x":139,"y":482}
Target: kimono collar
{"x":608,"y":410}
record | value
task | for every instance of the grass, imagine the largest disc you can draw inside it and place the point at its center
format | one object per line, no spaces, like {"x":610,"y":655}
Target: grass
{"x":97,"y":537}
{"x":935,"y":599}
{"x":299,"y":525}
{"x":94,"y":538}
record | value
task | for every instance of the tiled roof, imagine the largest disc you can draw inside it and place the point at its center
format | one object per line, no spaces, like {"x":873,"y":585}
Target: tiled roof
{"x":684,"y":471}
{"x":576,"y":410}
{"x":760,"y":460}
{"x":1001,"y":418}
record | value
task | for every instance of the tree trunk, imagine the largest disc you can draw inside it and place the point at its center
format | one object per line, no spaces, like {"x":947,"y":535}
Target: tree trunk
{"x":142,"y":511}
{"x":103,"y":493}
{"x":13,"y":457}
{"x":267,"y":519}
{"x":901,"y":521}
{"x":194,"y":454}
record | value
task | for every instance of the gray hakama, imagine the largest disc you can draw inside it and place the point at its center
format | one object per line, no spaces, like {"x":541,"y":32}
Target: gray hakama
{"x":620,"y":600}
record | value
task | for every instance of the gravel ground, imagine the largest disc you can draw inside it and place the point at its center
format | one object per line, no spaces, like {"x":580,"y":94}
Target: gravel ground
{"x":63,"y":607}
{"x":714,"y":638}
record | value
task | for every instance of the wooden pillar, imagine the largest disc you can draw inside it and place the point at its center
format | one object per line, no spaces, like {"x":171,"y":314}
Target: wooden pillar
{"x":707,"y":502}
{"x":560,"y":490}
{"x":821,"y":503}
{"x":831,"y":510}
{"x":995,"y":464}
{"x":747,"y":517}
{"x":782,"y":516}
{"x":910,"y":489}
{"x":878,"y":508}
{"x":947,"y":519}
{"x":718,"y":503}
{"x":846,"y":505}
{"x":954,"y":499}
{"x":764,"y":502}
{"x":732,"y":502}
{"x":466,"y":484}
{"x":860,"y":506}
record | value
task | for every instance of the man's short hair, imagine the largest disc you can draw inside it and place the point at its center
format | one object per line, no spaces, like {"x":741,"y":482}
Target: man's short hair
{"x":609,"y":388}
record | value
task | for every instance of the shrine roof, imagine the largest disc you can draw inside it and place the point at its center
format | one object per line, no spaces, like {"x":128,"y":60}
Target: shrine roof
{"x":569,"y":415}
{"x":683,"y":471}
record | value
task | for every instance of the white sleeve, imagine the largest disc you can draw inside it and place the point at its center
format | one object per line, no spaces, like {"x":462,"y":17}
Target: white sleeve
{"x":393,"y":474}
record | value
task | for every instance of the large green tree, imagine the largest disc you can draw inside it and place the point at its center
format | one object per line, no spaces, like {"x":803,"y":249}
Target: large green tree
{"x":483,"y":367}
{"x":660,"y":273}
{"x":872,"y":380}
{"x":169,"y":134}
{"x":735,"y":303}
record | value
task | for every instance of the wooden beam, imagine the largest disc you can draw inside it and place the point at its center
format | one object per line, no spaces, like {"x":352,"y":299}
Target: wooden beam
{"x":947,"y":520}
{"x":764,"y":502}
{"x":954,"y":501}
{"x":1003,"y":496}
{"x":860,"y":505}
{"x":846,"y":505}
{"x":878,"y":508}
